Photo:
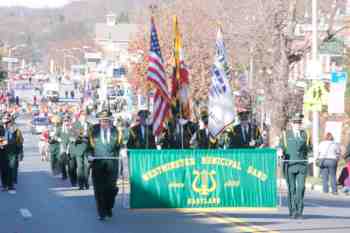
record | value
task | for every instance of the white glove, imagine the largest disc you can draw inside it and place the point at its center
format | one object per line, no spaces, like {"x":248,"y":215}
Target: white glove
{"x":311,"y":160}
{"x":252,"y":143}
{"x":280,"y":152}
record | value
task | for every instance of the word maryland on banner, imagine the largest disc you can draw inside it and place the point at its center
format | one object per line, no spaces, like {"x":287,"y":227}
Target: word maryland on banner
{"x":203,"y":178}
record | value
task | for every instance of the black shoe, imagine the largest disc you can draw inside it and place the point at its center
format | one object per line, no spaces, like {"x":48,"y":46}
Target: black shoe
{"x":81,"y":188}
{"x":109,"y":213}
{"x":87,"y":186}
{"x":299,"y":216}
{"x":101,"y":218}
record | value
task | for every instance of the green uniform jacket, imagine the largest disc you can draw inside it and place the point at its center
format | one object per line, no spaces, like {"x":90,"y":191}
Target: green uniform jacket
{"x":235,"y":138}
{"x":204,"y":141}
{"x":104,"y":149}
{"x":65,"y":140}
{"x":295,"y":148}
{"x":78,"y":149}
{"x":54,"y":145}
{"x":15,"y":143}
{"x":136,"y":141}
{"x":85,"y":130}
{"x":172,"y":139}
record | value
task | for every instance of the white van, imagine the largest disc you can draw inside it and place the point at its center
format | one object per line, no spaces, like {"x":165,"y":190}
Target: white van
{"x":51,"y":91}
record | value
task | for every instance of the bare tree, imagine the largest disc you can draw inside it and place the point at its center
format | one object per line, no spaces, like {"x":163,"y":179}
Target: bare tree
{"x":262,"y":31}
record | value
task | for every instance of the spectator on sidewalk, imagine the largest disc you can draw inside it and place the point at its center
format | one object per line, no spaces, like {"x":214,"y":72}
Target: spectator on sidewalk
{"x":344,"y":178}
{"x":329,"y":153}
{"x":72,"y":94}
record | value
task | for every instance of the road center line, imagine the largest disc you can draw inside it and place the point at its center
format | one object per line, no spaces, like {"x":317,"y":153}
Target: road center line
{"x":314,"y":204}
{"x":25,"y":213}
{"x":238,"y":223}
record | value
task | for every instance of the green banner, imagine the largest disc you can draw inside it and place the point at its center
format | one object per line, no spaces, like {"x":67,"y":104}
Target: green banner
{"x":203,"y":178}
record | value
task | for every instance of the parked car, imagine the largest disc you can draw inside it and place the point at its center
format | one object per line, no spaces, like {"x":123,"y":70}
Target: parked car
{"x":39,"y":124}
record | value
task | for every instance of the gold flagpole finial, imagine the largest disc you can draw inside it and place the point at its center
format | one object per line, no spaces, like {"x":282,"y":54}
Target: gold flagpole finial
{"x":219,"y":24}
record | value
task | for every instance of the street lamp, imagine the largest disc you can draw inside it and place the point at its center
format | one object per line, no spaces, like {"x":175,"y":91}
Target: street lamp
{"x":315,"y":114}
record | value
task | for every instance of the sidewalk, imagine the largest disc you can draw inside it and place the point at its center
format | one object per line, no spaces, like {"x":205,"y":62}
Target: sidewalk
{"x":312,"y":184}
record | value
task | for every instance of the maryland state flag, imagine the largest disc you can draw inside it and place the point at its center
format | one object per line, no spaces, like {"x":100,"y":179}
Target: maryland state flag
{"x":180,"y":103}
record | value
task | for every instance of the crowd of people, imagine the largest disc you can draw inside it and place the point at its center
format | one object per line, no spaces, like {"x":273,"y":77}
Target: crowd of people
{"x":76,"y":149}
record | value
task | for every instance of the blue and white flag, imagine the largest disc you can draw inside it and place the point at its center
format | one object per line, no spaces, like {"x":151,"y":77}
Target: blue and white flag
{"x":221,"y":102}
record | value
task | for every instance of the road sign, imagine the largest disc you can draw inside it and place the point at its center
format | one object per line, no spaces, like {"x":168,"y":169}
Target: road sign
{"x":316,"y":97}
{"x":338,"y":77}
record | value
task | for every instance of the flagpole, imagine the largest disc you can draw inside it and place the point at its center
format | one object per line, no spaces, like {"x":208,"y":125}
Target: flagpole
{"x":177,"y":76}
{"x":152,"y":8}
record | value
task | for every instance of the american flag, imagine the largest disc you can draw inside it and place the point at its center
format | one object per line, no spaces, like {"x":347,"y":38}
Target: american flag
{"x":156,"y":74}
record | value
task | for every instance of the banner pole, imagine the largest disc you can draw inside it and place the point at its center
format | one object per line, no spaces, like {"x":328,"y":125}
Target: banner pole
{"x":279,"y":167}
{"x":147,"y":126}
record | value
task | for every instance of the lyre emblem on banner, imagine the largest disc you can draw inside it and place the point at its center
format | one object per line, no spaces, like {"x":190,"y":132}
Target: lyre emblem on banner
{"x":205,"y":187}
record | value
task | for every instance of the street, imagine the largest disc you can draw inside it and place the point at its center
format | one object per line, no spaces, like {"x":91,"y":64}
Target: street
{"x":44,"y":203}
{"x":28,"y":92}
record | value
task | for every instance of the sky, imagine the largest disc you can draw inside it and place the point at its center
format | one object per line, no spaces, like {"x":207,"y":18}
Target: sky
{"x":34,"y":3}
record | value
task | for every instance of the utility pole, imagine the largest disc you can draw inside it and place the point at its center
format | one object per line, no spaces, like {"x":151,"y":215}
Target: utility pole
{"x":315,"y":113}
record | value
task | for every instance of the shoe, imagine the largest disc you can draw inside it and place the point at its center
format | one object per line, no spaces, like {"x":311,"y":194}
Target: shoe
{"x":299,"y":216}
{"x":109,"y":213}
{"x":81,"y":188}
{"x":12,"y":191}
{"x":87,"y":186}
{"x":101,"y":218}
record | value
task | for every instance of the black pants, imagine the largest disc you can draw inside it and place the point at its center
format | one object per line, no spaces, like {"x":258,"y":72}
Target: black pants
{"x":72,"y":171}
{"x":8,"y":167}
{"x":4,"y":170}
{"x":63,"y":163}
{"x":13,"y":166}
{"x":104,"y":177}
{"x":83,"y":171}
